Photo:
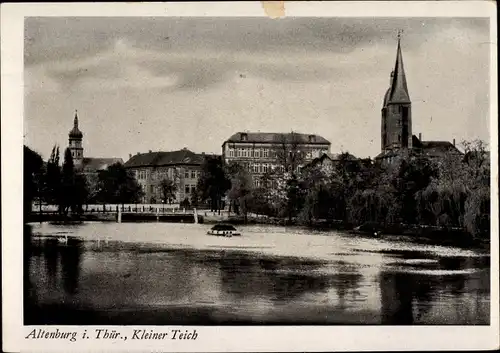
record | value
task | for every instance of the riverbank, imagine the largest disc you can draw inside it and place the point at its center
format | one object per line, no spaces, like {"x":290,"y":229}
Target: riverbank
{"x":421,"y":234}
{"x":409,"y":233}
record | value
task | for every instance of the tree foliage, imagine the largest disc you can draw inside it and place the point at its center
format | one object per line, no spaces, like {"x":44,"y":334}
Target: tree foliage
{"x":64,"y":186}
{"x":117,"y":185}
{"x":452,"y":191}
{"x":32,"y":178}
{"x":213,"y":182}
{"x":168,"y":189}
{"x":241,"y":188}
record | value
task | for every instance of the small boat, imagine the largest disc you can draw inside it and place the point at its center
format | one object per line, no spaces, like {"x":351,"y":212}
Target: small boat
{"x":224,"y":230}
{"x":367,"y":229}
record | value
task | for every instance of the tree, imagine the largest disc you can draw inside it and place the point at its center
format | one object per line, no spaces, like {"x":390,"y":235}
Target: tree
{"x":32,"y":178}
{"x":213,"y":182}
{"x":288,"y":153}
{"x":241,"y":187}
{"x":52,"y":178}
{"x":80,"y":193}
{"x":66,"y":199}
{"x":317,"y":199}
{"x":92,"y":184}
{"x":414,"y":174}
{"x":118,"y":185}
{"x":458,"y":196}
{"x":194,"y":197}
{"x":168,"y":189}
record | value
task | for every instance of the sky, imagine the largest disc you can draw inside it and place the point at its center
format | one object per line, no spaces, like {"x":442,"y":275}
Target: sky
{"x":165,"y":83}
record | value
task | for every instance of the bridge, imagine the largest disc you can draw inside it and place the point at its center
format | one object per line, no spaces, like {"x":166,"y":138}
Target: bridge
{"x":129,"y":213}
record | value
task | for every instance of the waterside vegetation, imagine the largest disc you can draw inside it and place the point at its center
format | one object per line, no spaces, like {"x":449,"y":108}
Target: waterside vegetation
{"x":417,"y":195}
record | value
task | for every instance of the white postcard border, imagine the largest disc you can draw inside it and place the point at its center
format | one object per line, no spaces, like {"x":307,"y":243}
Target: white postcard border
{"x":225,"y":338}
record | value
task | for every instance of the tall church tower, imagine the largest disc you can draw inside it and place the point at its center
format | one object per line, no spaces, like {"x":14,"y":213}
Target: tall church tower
{"x":75,"y":143}
{"x":396,"y":111}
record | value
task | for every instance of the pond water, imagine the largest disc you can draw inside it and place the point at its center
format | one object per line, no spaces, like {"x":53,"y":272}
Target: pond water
{"x":163,"y":273}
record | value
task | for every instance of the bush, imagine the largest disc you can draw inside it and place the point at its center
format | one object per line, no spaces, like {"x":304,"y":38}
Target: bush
{"x":185,"y":203}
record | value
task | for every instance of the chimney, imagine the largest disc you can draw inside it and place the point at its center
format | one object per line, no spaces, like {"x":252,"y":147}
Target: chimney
{"x":150,"y":151}
{"x":453,"y":142}
{"x":129,"y":155}
{"x":420,"y":136}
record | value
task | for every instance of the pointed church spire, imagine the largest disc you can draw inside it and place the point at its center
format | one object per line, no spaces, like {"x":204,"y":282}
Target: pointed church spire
{"x":75,"y":121}
{"x":399,"y":89}
{"x":75,"y":132}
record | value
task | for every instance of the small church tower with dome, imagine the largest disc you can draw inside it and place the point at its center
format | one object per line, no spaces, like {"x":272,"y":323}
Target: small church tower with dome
{"x":75,"y":143}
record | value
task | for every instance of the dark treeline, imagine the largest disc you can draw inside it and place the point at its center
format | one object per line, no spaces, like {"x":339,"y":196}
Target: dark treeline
{"x":67,"y":187}
{"x":449,"y":192}
{"x":452,"y":192}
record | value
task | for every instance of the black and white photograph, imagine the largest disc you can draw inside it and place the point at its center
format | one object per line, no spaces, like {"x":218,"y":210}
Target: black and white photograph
{"x":197,"y":171}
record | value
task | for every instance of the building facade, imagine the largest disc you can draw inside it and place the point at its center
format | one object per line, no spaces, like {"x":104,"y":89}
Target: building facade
{"x":397,"y":139}
{"x":89,"y":166}
{"x":182,"y":167}
{"x":261,"y":152}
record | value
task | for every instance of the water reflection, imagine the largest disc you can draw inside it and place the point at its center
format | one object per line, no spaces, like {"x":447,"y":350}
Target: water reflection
{"x":74,"y":281}
{"x":245,"y":276}
{"x":420,"y":296}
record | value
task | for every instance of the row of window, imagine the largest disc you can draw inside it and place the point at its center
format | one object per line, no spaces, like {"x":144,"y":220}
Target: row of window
{"x":250,"y":152}
{"x":270,"y":184}
{"x":266,"y":153}
{"x":169,"y":173}
{"x":76,"y":154}
{"x":188,"y":189}
{"x":193,"y":174}
{"x":265,"y":167}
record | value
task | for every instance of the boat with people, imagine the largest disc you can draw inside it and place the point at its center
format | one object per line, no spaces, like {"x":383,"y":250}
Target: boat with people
{"x":224,"y":230}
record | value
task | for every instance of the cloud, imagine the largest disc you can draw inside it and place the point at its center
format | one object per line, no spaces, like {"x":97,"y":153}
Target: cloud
{"x":159,"y":82}
{"x":49,"y":39}
{"x":201,"y":52}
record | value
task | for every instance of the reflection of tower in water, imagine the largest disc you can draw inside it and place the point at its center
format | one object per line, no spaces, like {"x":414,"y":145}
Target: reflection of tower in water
{"x":69,"y":255}
{"x":406,"y":297}
{"x":51,"y":255}
{"x":396,"y":297}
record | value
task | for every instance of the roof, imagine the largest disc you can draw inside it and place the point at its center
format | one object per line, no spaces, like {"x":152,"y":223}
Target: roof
{"x":398,"y":90}
{"x":156,"y":159}
{"x":434,"y":147}
{"x":430,"y":148}
{"x":438,"y":147}
{"x":338,"y":156}
{"x":332,"y":157}
{"x":94,"y":164}
{"x":276,"y":138}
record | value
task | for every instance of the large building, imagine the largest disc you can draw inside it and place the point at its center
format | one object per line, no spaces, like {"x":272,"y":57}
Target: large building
{"x":87,"y":165}
{"x":396,"y":127}
{"x":182,"y":167}
{"x":262,"y":152}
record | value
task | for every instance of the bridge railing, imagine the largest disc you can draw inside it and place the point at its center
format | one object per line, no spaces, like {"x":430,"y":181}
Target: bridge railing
{"x":141,"y":208}
{"x":113,"y":208}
